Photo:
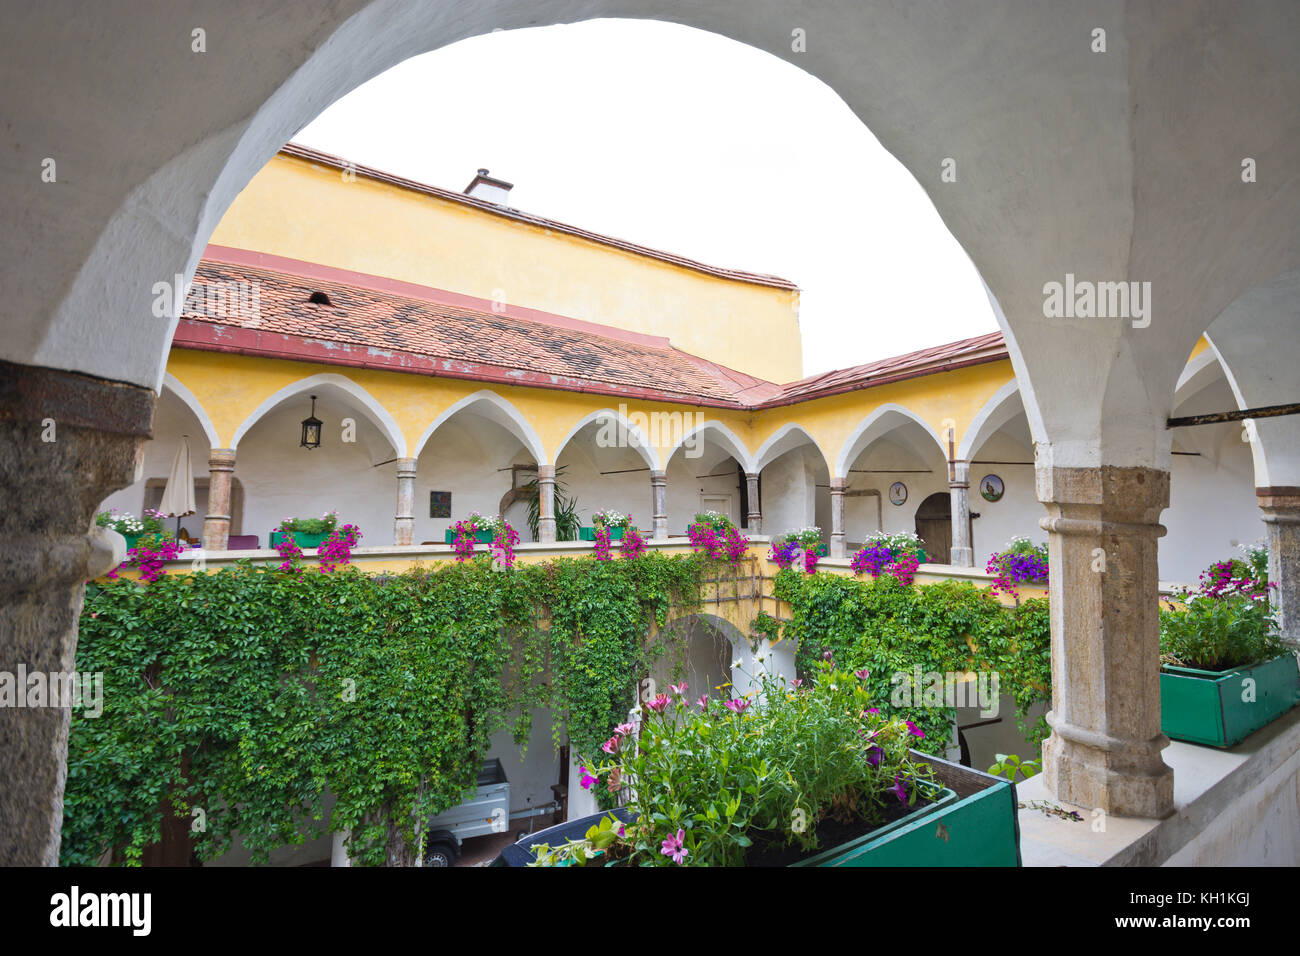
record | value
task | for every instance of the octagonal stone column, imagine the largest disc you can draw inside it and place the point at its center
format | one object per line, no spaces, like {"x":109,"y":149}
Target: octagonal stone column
{"x":755,"y":516}
{"x":404,"y":518}
{"x":216,"y":523}
{"x":838,"y":487}
{"x":546,"y":503}
{"x":961,"y":553}
{"x":67,"y":441}
{"x":1104,"y":749}
{"x":1281,"y":508}
{"x":659,"y":504}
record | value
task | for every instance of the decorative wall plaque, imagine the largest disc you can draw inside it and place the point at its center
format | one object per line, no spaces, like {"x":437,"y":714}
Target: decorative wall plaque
{"x":898,"y":493}
{"x":991,"y":487}
{"x":440,"y":504}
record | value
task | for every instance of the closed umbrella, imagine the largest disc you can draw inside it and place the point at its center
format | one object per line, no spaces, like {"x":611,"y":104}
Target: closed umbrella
{"x":178,"y":496}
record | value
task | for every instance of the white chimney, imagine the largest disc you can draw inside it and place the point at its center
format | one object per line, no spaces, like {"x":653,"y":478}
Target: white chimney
{"x":489,"y":189}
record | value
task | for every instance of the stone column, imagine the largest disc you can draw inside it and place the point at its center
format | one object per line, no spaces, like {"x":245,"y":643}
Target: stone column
{"x":961,"y":553}
{"x":838,"y":487}
{"x":1104,"y":749}
{"x":67,"y":441}
{"x":659,"y":504}
{"x":546,"y":502}
{"x":1281,"y":508}
{"x":216,"y":524}
{"x":755,"y":516}
{"x":404,"y":519}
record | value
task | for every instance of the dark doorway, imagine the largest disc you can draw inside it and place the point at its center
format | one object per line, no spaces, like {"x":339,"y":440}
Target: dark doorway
{"x":934,"y":527}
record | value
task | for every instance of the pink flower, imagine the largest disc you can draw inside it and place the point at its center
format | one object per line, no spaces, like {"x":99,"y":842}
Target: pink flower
{"x":624,"y":729}
{"x":659,"y":704}
{"x":680,"y":689}
{"x":610,"y":746}
{"x":899,"y":789}
{"x":797,"y":683}
{"x":588,"y":781}
{"x":675,"y":847}
{"x":737,"y":706}
{"x":703,"y":701}
{"x":914,"y":730}
{"x":862,"y":674}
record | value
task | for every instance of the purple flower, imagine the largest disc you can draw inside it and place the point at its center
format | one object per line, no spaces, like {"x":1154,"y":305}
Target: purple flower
{"x":862,"y":674}
{"x":914,"y":730}
{"x":826,"y":655}
{"x":588,"y":781}
{"x":874,"y":756}
{"x":899,"y":789}
{"x":675,"y":847}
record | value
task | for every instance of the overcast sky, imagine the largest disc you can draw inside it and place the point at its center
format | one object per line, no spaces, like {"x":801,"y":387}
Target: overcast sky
{"x":688,"y":142}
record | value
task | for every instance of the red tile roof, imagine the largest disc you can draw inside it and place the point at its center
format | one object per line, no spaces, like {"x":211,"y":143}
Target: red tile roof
{"x":374,"y":322}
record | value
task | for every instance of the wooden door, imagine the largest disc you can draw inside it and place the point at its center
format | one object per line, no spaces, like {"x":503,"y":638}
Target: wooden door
{"x":934,"y":527}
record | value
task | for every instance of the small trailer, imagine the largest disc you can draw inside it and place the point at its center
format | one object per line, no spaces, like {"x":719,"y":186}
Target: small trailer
{"x":485,"y":812}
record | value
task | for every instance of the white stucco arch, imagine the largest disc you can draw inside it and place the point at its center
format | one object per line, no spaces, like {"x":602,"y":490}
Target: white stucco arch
{"x":1201,"y":371}
{"x":789,"y":436}
{"x":492,"y":406}
{"x":366,"y":404}
{"x":178,"y":388}
{"x":721,"y":434}
{"x":1004,"y":405}
{"x":641,"y":442}
{"x":881,"y":421}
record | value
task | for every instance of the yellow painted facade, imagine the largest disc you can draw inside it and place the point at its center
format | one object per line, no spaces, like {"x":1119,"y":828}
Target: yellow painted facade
{"x":308,"y":211}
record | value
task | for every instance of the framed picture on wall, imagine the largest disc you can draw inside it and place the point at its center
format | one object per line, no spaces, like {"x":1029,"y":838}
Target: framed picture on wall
{"x":991,"y":487}
{"x":897,"y":493}
{"x":440,"y":504}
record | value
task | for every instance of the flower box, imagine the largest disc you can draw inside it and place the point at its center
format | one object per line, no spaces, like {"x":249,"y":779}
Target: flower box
{"x":132,"y":540}
{"x":972,"y":822}
{"x":589,"y":534}
{"x":482,"y":537}
{"x":300,"y":538}
{"x":1206,"y":707}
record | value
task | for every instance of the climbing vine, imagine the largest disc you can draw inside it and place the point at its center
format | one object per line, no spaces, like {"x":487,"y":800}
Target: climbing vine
{"x":239,"y":699}
{"x":887,"y":628}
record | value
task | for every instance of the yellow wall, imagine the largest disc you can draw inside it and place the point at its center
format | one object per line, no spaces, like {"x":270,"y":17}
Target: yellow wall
{"x":304,"y":210}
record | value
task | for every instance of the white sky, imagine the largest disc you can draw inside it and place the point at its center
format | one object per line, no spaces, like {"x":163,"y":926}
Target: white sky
{"x":689,"y":142}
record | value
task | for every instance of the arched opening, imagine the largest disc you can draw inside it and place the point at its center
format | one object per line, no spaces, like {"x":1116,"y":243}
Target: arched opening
{"x":934,"y":527}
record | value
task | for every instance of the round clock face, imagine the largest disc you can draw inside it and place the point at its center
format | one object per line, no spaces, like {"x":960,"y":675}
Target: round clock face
{"x":898,"y":493}
{"x":991,"y":487}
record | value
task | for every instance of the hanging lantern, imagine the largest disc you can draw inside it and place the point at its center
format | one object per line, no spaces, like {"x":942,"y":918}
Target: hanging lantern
{"x":311,"y":428}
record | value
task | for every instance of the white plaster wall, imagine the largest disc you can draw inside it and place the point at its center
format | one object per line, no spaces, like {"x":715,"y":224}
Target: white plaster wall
{"x":689,"y":479}
{"x":1017,"y":512}
{"x":891,"y":459}
{"x":605,"y":478}
{"x":789,"y":495}
{"x":530,"y":770}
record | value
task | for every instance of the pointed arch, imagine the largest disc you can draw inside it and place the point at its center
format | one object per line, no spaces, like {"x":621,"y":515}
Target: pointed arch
{"x":724,"y":436}
{"x":368,"y":404}
{"x":491,"y":406}
{"x":177,"y":388}
{"x":879,"y":423}
{"x":641,"y":441}
{"x":997,"y":411}
{"x":784,"y":439}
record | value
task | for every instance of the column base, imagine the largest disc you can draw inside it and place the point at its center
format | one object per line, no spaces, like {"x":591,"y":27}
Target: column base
{"x":1121,"y":777}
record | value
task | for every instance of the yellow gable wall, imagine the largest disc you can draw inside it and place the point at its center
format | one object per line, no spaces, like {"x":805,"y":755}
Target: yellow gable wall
{"x":304,"y":210}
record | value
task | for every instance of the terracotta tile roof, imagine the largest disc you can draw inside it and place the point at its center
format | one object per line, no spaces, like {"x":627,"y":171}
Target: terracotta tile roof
{"x":337,"y":162}
{"x":392,"y":323}
{"x":374,"y":322}
{"x":939,"y":358}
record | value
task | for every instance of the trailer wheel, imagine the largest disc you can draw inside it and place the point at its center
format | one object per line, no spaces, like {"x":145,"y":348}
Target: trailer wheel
{"x":440,"y":854}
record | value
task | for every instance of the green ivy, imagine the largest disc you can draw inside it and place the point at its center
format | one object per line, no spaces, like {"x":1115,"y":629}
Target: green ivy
{"x":887,"y":627}
{"x":239,"y":698}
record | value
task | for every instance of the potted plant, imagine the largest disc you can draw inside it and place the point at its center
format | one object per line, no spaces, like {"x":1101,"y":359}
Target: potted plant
{"x":305,"y":532}
{"x":132,"y":528}
{"x":897,"y":554}
{"x":615,"y":522}
{"x":1020,"y":563}
{"x":1225,"y":672}
{"x":792,"y":546}
{"x":476,"y":526}
{"x":716,"y":536}
{"x":734,"y":782}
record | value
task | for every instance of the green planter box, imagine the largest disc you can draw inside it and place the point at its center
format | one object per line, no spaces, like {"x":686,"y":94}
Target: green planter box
{"x":482,"y":537}
{"x":589,"y":534}
{"x":132,"y":540}
{"x":304,"y":541}
{"x":1206,"y":707}
{"x":972,"y":823}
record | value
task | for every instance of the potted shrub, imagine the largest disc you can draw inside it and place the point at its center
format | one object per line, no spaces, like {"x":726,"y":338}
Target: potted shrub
{"x":305,"y":532}
{"x":1225,"y":672}
{"x":716,"y":536}
{"x":615,"y":522}
{"x":132,"y":528}
{"x":734,"y":782}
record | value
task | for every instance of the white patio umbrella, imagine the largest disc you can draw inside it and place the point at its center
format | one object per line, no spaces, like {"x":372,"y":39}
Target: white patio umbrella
{"x":178,"y":496}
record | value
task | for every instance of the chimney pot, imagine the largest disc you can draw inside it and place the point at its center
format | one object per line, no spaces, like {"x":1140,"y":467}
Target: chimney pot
{"x":489,"y":188}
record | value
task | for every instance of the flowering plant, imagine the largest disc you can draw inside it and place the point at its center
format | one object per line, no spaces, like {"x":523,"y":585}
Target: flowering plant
{"x":788,"y":548}
{"x":1021,"y":562}
{"x":149,"y":556}
{"x":719,"y":545}
{"x":602,"y":550}
{"x":1225,"y":622}
{"x":152,"y":522}
{"x":783,"y":553}
{"x":322,"y":525}
{"x":504,"y":538}
{"x":337,"y":548}
{"x":734,"y":782}
{"x":611,"y":519}
{"x":633,"y":544}
{"x":714,"y":519}
{"x":896,"y":554}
